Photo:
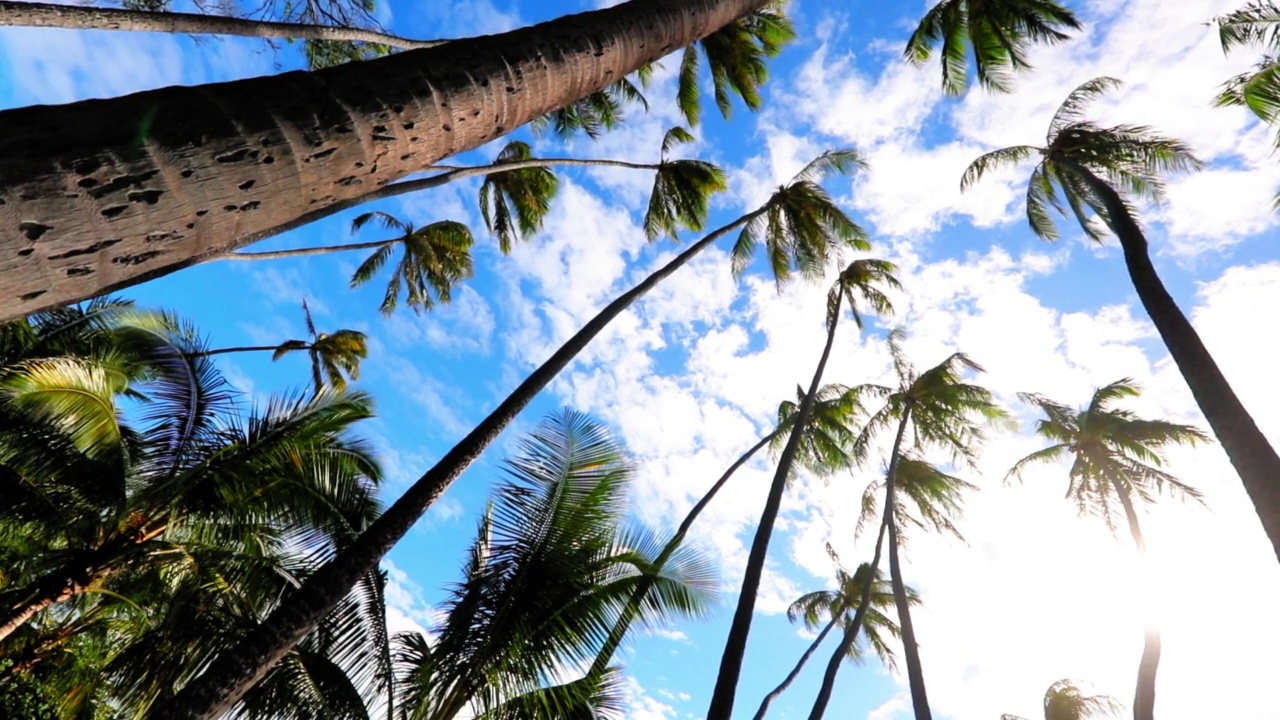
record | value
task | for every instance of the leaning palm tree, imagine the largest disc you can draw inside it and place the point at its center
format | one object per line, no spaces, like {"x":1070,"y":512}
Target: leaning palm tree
{"x":999,"y":32}
{"x":1088,"y":163}
{"x":551,"y":563}
{"x":863,"y":281}
{"x":1065,"y":700}
{"x":840,"y":606}
{"x":942,"y":412}
{"x":1115,"y":458}
{"x":1254,"y":25}
{"x":799,"y":221}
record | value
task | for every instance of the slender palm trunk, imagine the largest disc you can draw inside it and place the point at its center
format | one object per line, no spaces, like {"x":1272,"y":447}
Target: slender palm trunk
{"x":77,"y":17}
{"x":240,"y":349}
{"x":1254,"y":458}
{"x":305,"y":252}
{"x":239,"y":669}
{"x":182,"y":174}
{"x":619,"y":630}
{"x":911,"y":651}
{"x":735,"y":647}
{"x":795,"y":671}
{"x":1144,"y":695}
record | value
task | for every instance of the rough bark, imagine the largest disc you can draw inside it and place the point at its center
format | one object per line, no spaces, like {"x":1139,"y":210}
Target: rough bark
{"x":183,"y":174}
{"x":795,"y":671}
{"x":238,"y":670}
{"x":735,"y":647}
{"x":619,"y":630}
{"x":1253,"y":457}
{"x":864,"y":602}
{"x":79,"y":17}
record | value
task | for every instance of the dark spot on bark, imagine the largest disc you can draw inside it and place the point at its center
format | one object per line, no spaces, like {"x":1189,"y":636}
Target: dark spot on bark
{"x":78,"y":271}
{"x":120,"y":182}
{"x":322,"y":154}
{"x":251,"y":205}
{"x":87,"y":182}
{"x":32,"y":295}
{"x":167,"y":235}
{"x":350,"y":180}
{"x":201,"y":213}
{"x":191,"y":226}
{"x":359,"y":164}
{"x":246,"y":184}
{"x":342,"y":129}
{"x":397,"y":108}
{"x":25,"y":252}
{"x":268,"y":160}
{"x":265,"y":141}
{"x":135,"y":259}
{"x":407,"y":125}
{"x":379,"y":128}
{"x":475,"y":113}
{"x":89,"y":250}
{"x":447,"y":127}
{"x":149,"y":196}
{"x":484,"y":83}
{"x":188,"y":173}
{"x":511,"y":89}
{"x":407,"y":156}
{"x":234,"y":156}
{"x":500,"y":129}
{"x":86,"y":166}
{"x":230,"y":208}
{"x":114,"y":210}
{"x":33,"y":230}
{"x":415,"y":138}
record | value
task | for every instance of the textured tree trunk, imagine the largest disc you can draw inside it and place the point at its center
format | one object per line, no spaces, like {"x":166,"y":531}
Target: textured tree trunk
{"x":735,"y":647}
{"x":1252,"y":456}
{"x":864,"y":602}
{"x":79,"y":17}
{"x":619,"y":631}
{"x":234,"y":672}
{"x":1144,"y":694}
{"x":795,"y":671}
{"x":183,"y":174}
{"x":910,"y":650}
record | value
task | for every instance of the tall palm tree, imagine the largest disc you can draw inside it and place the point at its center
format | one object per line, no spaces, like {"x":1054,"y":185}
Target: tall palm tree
{"x":1087,"y":163}
{"x":801,"y":221}
{"x":334,"y":357}
{"x":1254,"y":25}
{"x":942,"y":412}
{"x":197,"y":186}
{"x":1064,"y":700}
{"x":863,"y":281}
{"x":1115,"y":458}
{"x":999,"y":32}
{"x":878,"y":631}
{"x":550,"y":566}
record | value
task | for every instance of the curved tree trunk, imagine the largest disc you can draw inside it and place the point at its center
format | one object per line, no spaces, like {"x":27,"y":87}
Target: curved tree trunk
{"x":1248,"y":449}
{"x":795,"y":671}
{"x":632,"y":610}
{"x":234,"y":672}
{"x":79,"y":17}
{"x":911,"y":651}
{"x":1144,"y":695}
{"x":183,"y":174}
{"x":735,"y":647}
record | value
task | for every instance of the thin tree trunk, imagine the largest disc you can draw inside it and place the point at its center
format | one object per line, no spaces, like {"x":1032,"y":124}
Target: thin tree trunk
{"x":851,"y":633}
{"x":1144,"y":694}
{"x":224,"y":351}
{"x":183,"y":174}
{"x":632,"y":610}
{"x":234,"y":672}
{"x":50,"y":591}
{"x":79,"y":17}
{"x":1253,"y":457}
{"x":911,"y":651}
{"x":304,"y":252}
{"x":795,"y":671}
{"x":735,"y":647}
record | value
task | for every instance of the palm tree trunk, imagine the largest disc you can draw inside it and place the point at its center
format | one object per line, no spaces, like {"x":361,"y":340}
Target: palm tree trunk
{"x":183,"y":174}
{"x":911,"y":651}
{"x":1144,"y":695}
{"x":304,"y":252}
{"x":50,"y":591}
{"x":241,"y":349}
{"x":233,"y":673}
{"x":735,"y":647}
{"x":619,"y":631}
{"x":32,"y":14}
{"x":795,"y":671}
{"x":1254,"y":458}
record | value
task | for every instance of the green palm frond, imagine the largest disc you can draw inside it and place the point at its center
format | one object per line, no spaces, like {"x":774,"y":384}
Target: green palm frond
{"x":594,"y":114}
{"x":1255,"y":24}
{"x":73,"y":396}
{"x":1004,"y":157}
{"x":673,"y":137}
{"x":681,"y":196}
{"x":434,"y":258}
{"x":1071,"y":111}
{"x":737,"y":56}
{"x":867,"y":279}
{"x":514,"y":203}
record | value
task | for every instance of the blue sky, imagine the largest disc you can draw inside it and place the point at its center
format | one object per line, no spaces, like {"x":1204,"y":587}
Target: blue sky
{"x":690,"y":378}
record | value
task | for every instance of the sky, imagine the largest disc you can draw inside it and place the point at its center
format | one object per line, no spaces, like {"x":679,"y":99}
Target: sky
{"x":692,"y":375}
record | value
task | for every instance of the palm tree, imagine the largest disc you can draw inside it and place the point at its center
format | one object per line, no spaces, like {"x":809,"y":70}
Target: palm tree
{"x":799,"y":221}
{"x":737,"y":57}
{"x":1064,"y":700}
{"x":1087,"y":163}
{"x":334,"y":356}
{"x":999,"y":32}
{"x":551,"y":563}
{"x":865,"y":279}
{"x":1115,"y":457}
{"x":942,"y":412}
{"x":840,"y":606}
{"x":1255,"y":25}
{"x":200,"y":186}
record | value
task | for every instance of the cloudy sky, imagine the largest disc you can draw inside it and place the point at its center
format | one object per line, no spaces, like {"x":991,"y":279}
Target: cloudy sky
{"x":691,"y":377}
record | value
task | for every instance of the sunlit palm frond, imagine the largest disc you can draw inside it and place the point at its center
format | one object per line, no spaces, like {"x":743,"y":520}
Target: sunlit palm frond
{"x":681,"y":196}
{"x":1004,"y":157}
{"x":736,"y":56}
{"x":514,"y":203}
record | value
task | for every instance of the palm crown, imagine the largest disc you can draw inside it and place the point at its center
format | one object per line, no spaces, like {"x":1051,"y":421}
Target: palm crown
{"x":999,"y":32}
{"x":1256,"y":24}
{"x":879,"y":632}
{"x":434,"y":258}
{"x":334,"y":356}
{"x":1131,"y":158}
{"x":1064,"y":700}
{"x":514,"y":203}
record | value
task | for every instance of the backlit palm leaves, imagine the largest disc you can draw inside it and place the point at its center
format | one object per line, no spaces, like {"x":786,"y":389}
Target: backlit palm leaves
{"x":515,"y":202}
{"x":736,"y":56}
{"x":1064,"y":700}
{"x":1130,"y":158}
{"x":334,"y":356}
{"x":995,"y":33}
{"x":434,"y":258}
{"x":1254,"y":25}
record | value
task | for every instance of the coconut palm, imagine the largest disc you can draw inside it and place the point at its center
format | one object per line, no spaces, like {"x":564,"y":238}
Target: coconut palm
{"x":551,"y":564}
{"x":999,"y":32}
{"x":861,"y":282}
{"x":799,"y":221}
{"x":1088,"y":163}
{"x":942,"y":412}
{"x":737,"y":58}
{"x":1254,"y":25}
{"x":840,"y":606}
{"x":299,"y":144}
{"x":1115,"y":458}
{"x":1064,"y":700}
